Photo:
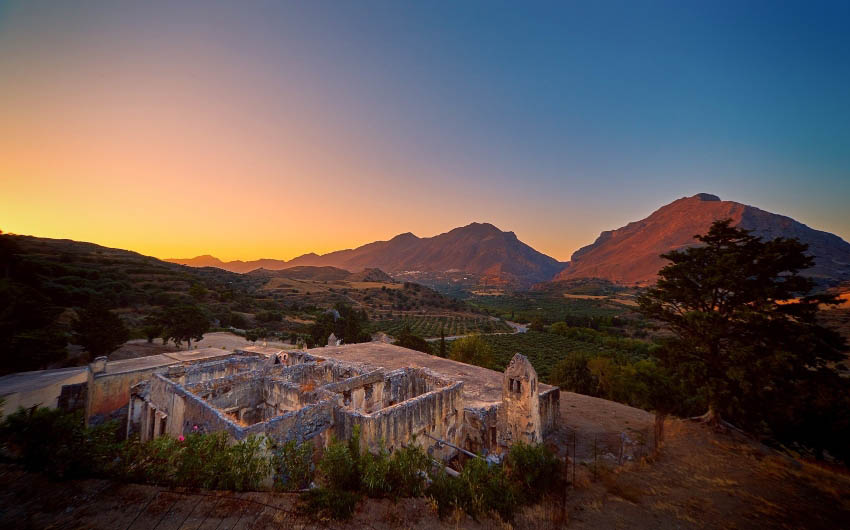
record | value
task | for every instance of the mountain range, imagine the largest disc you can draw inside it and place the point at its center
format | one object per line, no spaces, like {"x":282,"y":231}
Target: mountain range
{"x":631,"y":254}
{"x":628,"y":255}
{"x":478,"y":248}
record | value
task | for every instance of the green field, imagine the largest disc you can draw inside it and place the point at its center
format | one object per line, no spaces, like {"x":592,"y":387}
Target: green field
{"x":428,"y":326}
{"x":544,"y":350}
{"x":525,"y":307}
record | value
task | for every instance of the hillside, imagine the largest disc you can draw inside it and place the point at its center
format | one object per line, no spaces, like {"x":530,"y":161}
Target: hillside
{"x":631,"y":254}
{"x":495,"y":256}
{"x":46,"y":282}
{"x":327,"y":274}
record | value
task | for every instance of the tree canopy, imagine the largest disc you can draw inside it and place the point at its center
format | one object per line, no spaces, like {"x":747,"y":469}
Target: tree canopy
{"x":472,"y":350}
{"x":99,"y":330}
{"x":185,"y":323}
{"x":346,"y":323}
{"x":406,"y":339}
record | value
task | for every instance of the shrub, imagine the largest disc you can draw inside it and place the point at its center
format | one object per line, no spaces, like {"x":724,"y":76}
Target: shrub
{"x":58,"y":443}
{"x":400,"y":474}
{"x":61,"y":446}
{"x":488,"y":488}
{"x":338,"y":468}
{"x":324,"y":503}
{"x":197,"y":461}
{"x":447,"y":492}
{"x":530,"y":473}
{"x":479,"y":489}
{"x":407,"y":471}
{"x":375,"y":474}
{"x":293,"y":465}
{"x":535,"y":469}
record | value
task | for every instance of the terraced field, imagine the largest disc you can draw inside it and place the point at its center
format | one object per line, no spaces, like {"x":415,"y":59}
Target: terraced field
{"x":428,"y":326}
{"x":544,"y":350}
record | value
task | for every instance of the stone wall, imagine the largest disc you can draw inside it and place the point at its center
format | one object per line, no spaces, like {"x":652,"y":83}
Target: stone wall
{"x":109,"y":394}
{"x":436,"y":414}
{"x":73,"y":397}
{"x":550,"y":407}
{"x":480,"y":429}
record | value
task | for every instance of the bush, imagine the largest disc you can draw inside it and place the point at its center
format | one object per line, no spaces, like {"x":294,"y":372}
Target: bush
{"x":339,"y":468}
{"x":535,"y":469}
{"x":58,"y":443}
{"x":479,"y":489}
{"x":400,"y":474}
{"x":447,"y":492}
{"x":197,"y":461}
{"x":329,"y":503}
{"x":294,"y":466}
{"x":407,"y":471}
{"x":530,"y":473}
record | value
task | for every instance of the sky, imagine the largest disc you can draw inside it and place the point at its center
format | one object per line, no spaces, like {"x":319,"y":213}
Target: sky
{"x":270,"y":129}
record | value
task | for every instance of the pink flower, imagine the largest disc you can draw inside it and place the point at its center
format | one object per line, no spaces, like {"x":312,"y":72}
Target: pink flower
{"x":181,"y":438}
{"x":195,"y":428}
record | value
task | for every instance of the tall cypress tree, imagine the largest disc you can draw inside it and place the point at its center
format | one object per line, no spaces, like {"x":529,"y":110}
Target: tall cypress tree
{"x":745,"y":330}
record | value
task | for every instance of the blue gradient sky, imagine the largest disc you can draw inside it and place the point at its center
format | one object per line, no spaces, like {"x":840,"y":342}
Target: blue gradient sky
{"x":270,"y":129}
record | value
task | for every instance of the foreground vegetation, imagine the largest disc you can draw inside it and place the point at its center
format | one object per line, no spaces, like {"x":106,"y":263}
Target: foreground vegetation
{"x":60,"y":446}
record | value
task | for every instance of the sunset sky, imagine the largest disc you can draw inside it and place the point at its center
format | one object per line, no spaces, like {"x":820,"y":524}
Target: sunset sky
{"x":271,"y":129}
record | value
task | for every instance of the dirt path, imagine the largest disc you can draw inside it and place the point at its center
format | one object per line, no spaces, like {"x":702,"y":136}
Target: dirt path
{"x":219,"y":339}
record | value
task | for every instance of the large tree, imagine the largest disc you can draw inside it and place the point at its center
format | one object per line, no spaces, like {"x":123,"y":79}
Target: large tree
{"x":472,"y":349}
{"x":99,"y":330}
{"x":185,"y":323}
{"x":30,"y":336}
{"x":744,"y":324}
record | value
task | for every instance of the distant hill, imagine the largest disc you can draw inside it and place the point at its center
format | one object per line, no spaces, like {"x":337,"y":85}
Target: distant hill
{"x":478,"y":248}
{"x":630,"y":255}
{"x":327,"y":274}
{"x":233,"y":266}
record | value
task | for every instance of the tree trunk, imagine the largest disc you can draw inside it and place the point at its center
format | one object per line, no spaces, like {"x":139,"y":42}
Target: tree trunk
{"x":711,"y":418}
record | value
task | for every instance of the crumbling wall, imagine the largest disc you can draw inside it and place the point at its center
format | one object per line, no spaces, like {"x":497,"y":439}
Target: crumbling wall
{"x":480,"y":429}
{"x":550,"y":409}
{"x":362,"y":393}
{"x":283,"y":396}
{"x":434,"y":415}
{"x":73,"y":397}
{"x":109,"y":394}
{"x":191,"y":374}
{"x":299,"y":425}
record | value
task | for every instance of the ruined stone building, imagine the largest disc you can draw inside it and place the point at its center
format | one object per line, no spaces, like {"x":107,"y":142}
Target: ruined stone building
{"x":393,"y":394}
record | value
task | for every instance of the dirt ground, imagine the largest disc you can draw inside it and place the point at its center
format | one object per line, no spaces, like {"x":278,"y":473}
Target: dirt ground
{"x":220,"y":339}
{"x":606,"y":425}
{"x":699,"y":479}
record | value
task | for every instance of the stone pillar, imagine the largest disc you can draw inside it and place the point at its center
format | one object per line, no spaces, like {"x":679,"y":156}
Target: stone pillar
{"x":520,"y":412}
{"x":98,"y":366}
